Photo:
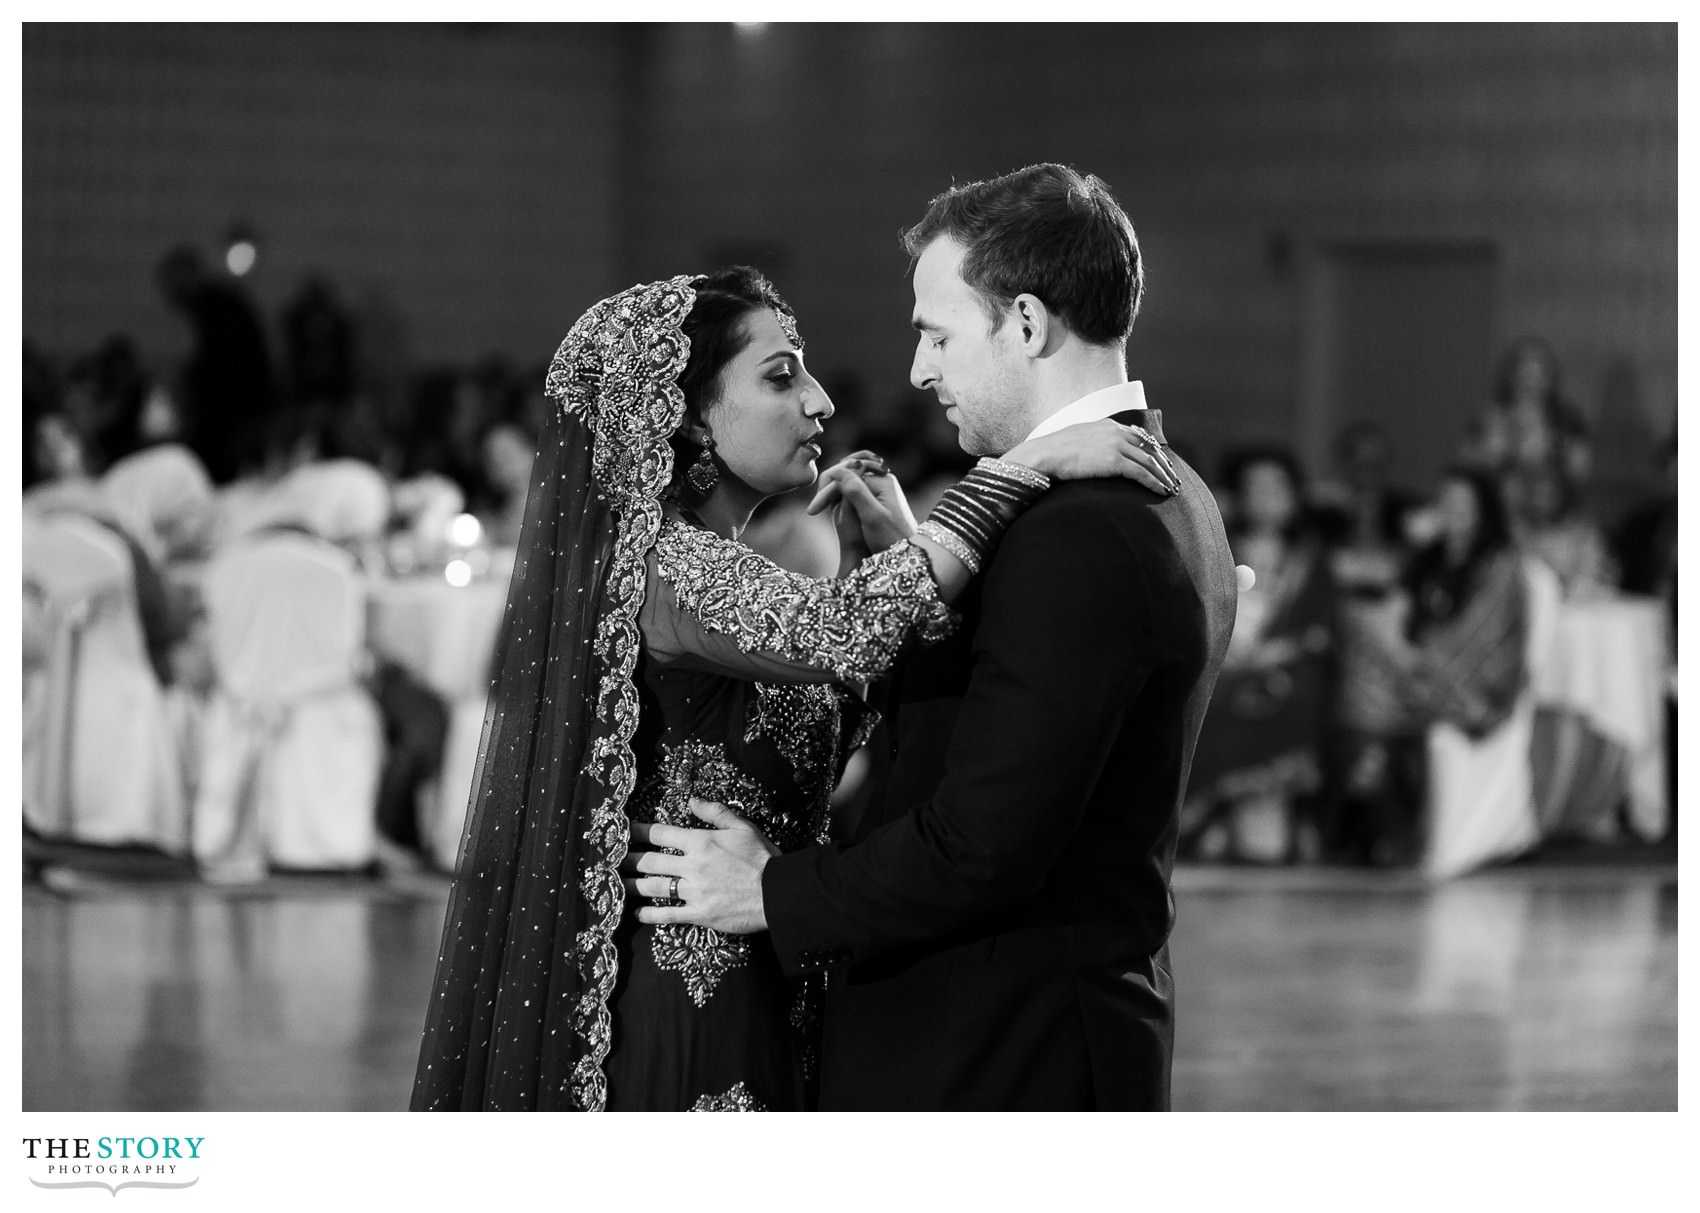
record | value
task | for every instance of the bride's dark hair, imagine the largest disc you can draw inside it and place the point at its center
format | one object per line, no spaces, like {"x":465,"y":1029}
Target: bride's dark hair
{"x":718,"y":334}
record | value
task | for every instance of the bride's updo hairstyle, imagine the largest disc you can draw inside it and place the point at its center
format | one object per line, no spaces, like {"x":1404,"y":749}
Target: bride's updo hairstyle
{"x":717,"y":333}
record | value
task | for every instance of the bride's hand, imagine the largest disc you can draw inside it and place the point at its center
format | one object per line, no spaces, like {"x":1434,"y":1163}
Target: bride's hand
{"x":1100,"y":448}
{"x":868,"y":505}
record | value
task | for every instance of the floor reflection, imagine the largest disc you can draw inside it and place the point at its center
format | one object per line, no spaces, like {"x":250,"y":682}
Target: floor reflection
{"x":1514,"y":990}
{"x":167,"y":1000}
{"x":1520,"y":989}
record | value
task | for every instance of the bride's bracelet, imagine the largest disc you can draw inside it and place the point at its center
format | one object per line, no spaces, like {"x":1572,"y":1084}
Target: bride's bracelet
{"x":973,"y":514}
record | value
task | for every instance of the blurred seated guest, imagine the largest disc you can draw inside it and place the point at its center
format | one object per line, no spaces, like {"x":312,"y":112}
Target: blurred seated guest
{"x":1645,"y":547}
{"x":164,"y":504}
{"x":42,"y":392}
{"x":344,"y":501}
{"x":1468,"y":611}
{"x":452,"y":411}
{"x":106,"y":393}
{"x":228,"y":393}
{"x":1257,"y":774}
{"x":1555,"y":527}
{"x":165,"y":499}
{"x":60,"y":454}
{"x":422,"y":509}
{"x":1451,"y":647}
{"x":1645,"y":541}
{"x":1360,"y":516}
{"x":58,"y":464}
{"x":347,"y":502}
{"x":1530,"y":427}
{"x":295,"y":441}
{"x":165,"y":496}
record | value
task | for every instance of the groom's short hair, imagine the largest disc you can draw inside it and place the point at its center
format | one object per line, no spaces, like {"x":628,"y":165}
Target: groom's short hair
{"x":1048,"y":231}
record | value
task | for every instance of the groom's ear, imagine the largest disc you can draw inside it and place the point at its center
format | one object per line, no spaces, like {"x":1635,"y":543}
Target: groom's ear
{"x":1034,"y":324}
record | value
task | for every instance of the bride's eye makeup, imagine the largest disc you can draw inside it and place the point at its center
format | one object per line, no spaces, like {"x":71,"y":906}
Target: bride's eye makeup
{"x":783,"y":373}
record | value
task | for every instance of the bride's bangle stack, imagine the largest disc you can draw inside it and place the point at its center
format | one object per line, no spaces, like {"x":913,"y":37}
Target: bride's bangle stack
{"x":974,"y":512}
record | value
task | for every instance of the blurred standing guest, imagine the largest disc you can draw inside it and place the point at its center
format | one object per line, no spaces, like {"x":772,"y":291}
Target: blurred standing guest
{"x":1557,"y":529}
{"x":1257,"y":775}
{"x":1459,"y":656}
{"x":227,"y":388}
{"x":319,"y":345}
{"x":506,"y":450}
{"x":1530,"y":428}
{"x":1360,"y":515}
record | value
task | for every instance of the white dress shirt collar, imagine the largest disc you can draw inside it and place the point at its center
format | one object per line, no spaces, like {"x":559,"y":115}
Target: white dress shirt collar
{"x":1094,"y":406}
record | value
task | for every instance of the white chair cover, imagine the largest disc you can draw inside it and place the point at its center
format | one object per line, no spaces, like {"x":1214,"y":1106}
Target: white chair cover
{"x":100,"y":764}
{"x":164,"y":498}
{"x":343,"y":500}
{"x":1481,"y":798}
{"x":292,"y":743}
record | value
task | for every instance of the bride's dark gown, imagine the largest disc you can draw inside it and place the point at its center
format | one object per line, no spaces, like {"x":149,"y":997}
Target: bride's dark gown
{"x":744,"y":699}
{"x":644,"y":660}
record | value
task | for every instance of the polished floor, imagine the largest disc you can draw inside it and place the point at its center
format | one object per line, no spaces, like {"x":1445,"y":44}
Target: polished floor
{"x":1527,"y":988}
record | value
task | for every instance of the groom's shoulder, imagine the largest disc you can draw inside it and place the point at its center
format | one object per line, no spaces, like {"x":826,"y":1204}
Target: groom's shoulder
{"x":1091,"y":511}
{"x":1078,"y":522}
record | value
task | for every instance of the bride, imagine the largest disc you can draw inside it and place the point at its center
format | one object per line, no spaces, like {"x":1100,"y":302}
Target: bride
{"x":648,"y":656}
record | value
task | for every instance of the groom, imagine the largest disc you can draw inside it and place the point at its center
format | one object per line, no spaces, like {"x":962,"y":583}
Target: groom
{"x":998,"y":932}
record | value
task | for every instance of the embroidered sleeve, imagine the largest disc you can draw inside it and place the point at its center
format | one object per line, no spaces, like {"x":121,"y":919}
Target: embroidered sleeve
{"x":849,"y":628}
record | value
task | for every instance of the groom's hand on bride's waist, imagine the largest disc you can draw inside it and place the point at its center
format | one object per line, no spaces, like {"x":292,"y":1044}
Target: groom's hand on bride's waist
{"x":713,"y":881}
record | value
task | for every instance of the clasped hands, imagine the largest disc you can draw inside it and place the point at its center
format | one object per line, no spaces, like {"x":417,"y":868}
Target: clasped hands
{"x":870,"y":512}
{"x":709,"y":877}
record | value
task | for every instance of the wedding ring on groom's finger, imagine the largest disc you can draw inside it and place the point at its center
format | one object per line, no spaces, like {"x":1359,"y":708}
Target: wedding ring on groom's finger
{"x":673,"y":890}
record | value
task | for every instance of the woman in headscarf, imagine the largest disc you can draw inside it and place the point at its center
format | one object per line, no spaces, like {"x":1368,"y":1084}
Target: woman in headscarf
{"x":647,"y":657}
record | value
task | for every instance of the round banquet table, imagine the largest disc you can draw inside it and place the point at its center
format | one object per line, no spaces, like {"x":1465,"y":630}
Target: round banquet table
{"x":1600,"y":736}
{"x":444,"y":635}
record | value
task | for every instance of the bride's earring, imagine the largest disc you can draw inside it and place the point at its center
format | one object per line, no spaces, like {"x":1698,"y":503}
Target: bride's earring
{"x":703,"y":475}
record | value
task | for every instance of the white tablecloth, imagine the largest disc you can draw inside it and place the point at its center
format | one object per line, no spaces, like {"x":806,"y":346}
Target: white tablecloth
{"x":1608,"y":666}
{"x":446,"y":636}
{"x":443,"y":634}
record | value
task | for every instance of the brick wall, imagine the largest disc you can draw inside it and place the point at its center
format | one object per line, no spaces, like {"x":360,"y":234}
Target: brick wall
{"x":1555,"y":143}
{"x":494,"y":180}
{"x":465,"y":174}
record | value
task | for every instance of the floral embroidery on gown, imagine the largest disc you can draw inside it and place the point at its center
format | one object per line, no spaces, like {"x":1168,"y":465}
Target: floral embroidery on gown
{"x":704,"y":1020}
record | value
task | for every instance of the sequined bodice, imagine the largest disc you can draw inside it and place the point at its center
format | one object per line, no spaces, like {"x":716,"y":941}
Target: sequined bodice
{"x":772,"y":752}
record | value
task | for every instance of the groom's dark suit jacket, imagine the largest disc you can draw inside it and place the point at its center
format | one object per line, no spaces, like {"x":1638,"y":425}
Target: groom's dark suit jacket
{"x":997,"y":932}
